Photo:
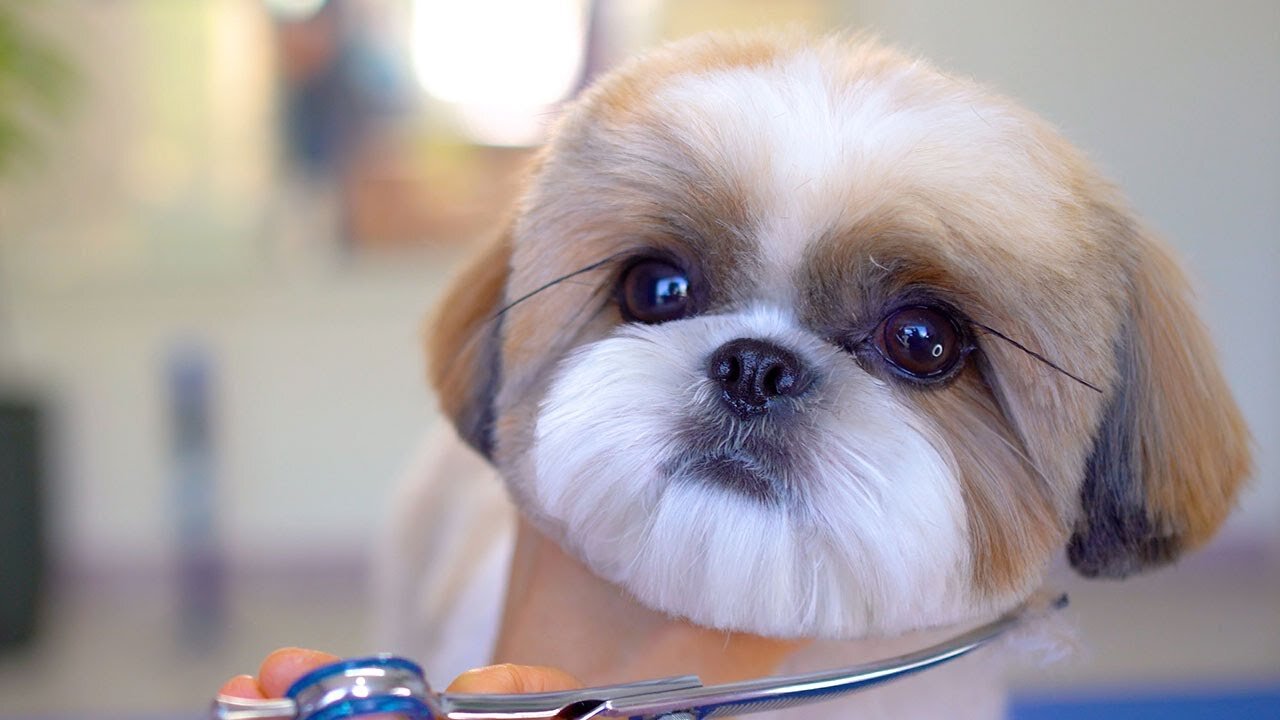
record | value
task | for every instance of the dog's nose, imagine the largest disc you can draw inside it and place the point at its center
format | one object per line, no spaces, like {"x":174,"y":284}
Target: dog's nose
{"x":753,"y":372}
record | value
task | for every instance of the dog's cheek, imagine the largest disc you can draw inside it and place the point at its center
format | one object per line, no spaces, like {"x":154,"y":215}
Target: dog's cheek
{"x":888,"y":493}
{"x":603,"y":432}
{"x":1014,"y":525}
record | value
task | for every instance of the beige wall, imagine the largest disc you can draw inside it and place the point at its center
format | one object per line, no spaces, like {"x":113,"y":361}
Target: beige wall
{"x":160,"y":215}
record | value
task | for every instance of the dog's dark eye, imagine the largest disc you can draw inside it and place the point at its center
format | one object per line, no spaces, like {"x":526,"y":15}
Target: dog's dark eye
{"x":922,"y":342}
{"x":654,"y":291}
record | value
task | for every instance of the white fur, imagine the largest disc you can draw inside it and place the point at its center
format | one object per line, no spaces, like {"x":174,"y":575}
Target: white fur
{"x":811,"y":151}
{"x":873,"y":541}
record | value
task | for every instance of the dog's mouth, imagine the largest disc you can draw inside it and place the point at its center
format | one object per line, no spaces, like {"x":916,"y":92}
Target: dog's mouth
{"x":735,"y":471}
{"x":756,"y":463}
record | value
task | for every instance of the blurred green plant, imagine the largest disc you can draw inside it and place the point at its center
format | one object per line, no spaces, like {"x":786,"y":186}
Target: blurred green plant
{"x":36,"y":83}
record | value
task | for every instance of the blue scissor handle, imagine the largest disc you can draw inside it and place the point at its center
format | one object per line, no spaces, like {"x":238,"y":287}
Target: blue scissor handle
{"x":363,"y":686}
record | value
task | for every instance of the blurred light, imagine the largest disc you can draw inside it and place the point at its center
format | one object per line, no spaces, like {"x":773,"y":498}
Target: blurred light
{"x":294,"y":10}
{"x":501,"y":63}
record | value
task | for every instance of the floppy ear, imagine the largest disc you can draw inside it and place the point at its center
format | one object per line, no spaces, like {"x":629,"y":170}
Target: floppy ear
{"x":1172,"y":449}
{"x":463,"y":339}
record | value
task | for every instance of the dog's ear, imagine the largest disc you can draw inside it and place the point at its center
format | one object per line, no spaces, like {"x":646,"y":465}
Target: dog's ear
{"x":1172,"y":449}
{"x":463,"y":339}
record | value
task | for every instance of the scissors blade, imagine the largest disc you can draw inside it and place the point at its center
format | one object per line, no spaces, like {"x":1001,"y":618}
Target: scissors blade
{"x":567,"y":704}
{"x":776,"y":693}
{"x":226,"y":707}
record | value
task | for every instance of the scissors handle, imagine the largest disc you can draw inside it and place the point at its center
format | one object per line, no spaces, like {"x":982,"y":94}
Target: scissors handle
{"x":350,"y":688}
{"x":385,"y":684}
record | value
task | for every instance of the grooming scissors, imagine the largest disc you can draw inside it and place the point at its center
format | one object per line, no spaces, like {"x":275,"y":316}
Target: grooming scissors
{"x":387,"y":684}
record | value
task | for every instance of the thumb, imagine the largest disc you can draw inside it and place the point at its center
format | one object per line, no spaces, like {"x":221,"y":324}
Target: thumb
{"x":508,"y":678}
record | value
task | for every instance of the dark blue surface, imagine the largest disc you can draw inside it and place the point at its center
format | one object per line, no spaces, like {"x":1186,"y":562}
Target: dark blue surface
{"x":1259,"y":703}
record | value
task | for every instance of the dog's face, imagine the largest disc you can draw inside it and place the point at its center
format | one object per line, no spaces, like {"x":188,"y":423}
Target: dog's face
{"x":813,"y":340}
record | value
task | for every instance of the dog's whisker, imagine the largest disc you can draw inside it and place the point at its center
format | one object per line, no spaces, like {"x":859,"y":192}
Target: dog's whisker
{"x":996,"y":333}
{"x":576,"y":319}
{"x":482,"y":330}
{"x":547,"y":286}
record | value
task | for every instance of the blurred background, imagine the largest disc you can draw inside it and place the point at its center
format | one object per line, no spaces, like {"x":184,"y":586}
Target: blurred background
{"x":222,"y":221}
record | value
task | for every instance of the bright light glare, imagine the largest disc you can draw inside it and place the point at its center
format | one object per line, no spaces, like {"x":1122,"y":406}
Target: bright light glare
{"x":503,"y":63}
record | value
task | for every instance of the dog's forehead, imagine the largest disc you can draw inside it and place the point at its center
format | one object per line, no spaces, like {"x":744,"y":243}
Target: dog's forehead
{"x":789,"y":173}
{"x":816,"y":152}
{"x":803,"y":146}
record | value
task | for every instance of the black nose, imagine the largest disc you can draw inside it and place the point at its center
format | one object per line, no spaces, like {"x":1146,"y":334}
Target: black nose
{"x":753,"y":372}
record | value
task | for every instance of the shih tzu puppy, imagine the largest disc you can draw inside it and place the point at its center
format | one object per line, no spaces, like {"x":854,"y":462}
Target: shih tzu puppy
{"x":812,"y":340}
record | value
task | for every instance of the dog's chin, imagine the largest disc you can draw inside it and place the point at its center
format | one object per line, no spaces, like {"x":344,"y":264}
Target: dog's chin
{"x":844,"y":521}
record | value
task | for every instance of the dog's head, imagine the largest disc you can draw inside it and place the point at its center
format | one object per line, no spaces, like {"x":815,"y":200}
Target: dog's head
{"x":811,"y":339}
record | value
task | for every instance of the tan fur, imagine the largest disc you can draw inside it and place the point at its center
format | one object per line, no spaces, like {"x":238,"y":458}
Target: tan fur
{"x":1013,"y":519}
{"x":454,"y":332}
{"x":1194,"y":447}
{"x":629,"y":91}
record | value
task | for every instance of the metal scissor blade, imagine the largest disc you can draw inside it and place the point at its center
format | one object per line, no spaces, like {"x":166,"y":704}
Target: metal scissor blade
{"x":571,"y":704}
{"x":776,"y":693}
{"x":226,"y":707}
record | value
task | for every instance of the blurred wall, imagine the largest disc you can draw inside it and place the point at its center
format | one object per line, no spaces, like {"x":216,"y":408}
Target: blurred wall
{"x":161,"y":216}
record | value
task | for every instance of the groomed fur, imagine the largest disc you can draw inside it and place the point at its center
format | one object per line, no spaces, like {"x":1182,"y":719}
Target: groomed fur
{"x":807,"y":189}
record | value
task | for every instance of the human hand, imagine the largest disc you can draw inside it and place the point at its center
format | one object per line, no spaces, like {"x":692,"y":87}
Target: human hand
{"x":284,"y":666}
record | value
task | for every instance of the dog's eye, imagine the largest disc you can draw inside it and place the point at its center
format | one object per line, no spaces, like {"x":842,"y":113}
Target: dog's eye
{"x":922,"y":342}
{"x":654,"y":291}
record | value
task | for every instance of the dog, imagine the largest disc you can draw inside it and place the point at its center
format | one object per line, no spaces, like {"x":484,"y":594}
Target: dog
{"x":808,"y":339}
